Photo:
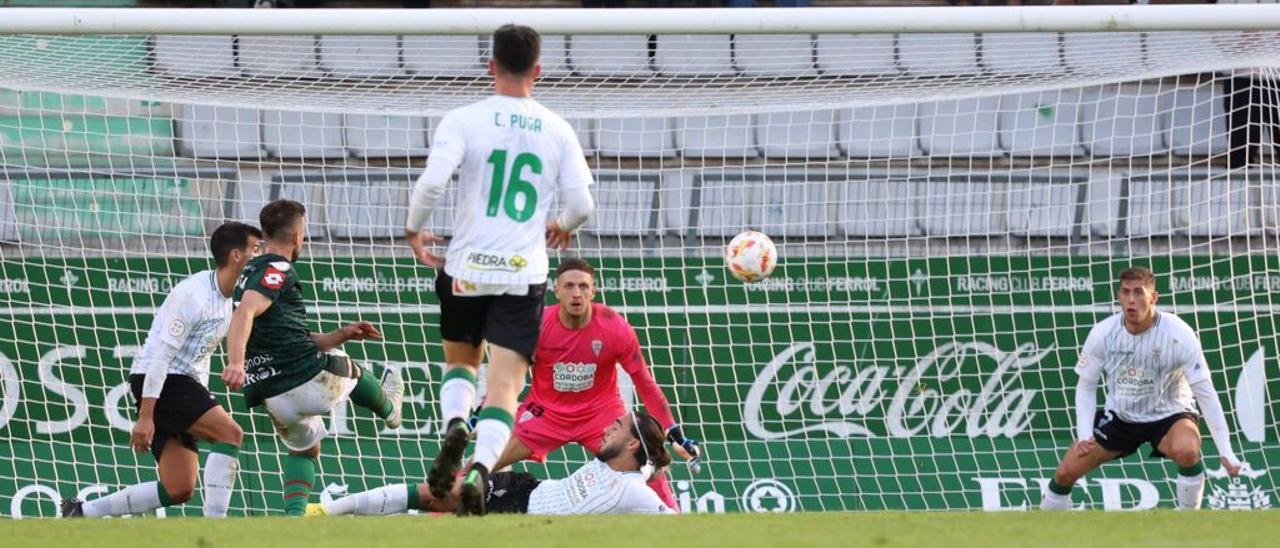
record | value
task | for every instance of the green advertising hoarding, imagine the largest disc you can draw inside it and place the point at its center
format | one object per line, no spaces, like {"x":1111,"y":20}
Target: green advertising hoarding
{"x":837,"y":384}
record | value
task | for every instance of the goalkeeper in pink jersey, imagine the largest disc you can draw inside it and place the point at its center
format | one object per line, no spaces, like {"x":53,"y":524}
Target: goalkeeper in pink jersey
{"x":575,"y":389}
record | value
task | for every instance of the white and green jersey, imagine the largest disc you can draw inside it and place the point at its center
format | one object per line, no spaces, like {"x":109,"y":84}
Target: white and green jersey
{"x":596,"y":489}
{"x":1148,"y":375}
{"x":186,"y":330}
{"x":515,"y":155}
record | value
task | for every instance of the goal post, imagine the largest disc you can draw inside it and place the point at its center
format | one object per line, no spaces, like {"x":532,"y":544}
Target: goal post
{"x":952,"y":191}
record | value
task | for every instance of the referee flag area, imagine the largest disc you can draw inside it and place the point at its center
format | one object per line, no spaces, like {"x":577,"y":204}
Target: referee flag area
{"x":988,"y":530}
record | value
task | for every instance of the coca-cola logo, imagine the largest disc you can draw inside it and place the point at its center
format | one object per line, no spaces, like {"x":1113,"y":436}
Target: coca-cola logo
{"x":971,"y":388}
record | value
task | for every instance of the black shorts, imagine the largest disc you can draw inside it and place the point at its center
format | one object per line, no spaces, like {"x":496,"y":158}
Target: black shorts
{"x":1115,"y":434}
{"x":181,"y":403}
{"x":509,"y":492}
{"x":510,"y":321}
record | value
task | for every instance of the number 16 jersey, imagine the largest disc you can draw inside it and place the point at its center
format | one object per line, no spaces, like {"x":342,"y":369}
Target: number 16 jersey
{"x":515,"y":155}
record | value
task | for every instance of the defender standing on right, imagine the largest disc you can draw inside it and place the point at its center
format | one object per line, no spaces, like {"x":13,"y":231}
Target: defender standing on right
{"x":1153,"y":364}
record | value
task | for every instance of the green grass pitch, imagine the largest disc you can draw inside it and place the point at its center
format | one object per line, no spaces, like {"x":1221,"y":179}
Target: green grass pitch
{"x":936,"y":529}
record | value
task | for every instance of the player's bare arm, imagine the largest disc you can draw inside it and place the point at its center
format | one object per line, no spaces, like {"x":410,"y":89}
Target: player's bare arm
{"x":558,"y":238}
{"x":356,"y":331}
{"x":420,"y":241}
{"x":427,"y":191}
{"x":145,"y":428}
{"x":252,"y":305}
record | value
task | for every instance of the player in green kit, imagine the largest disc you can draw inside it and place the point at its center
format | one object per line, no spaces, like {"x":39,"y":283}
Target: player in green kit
{"x":298,"y":375}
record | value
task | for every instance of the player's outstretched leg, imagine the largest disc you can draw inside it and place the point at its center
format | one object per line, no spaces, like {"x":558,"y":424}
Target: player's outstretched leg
{"x":179,"y":467}
{"x":1080,"y":459}
{"x":385,"y":399}
{"x":391,"y":499}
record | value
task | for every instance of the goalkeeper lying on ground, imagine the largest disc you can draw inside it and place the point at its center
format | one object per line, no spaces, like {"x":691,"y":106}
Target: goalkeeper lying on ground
{"x":612,"y":483}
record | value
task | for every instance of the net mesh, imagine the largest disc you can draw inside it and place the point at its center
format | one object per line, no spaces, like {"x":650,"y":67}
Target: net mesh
{"x":951,"y":211}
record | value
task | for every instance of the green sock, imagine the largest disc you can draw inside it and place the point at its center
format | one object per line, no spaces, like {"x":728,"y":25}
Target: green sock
{"x":413,"y":496}
{"x":1059,"y":489}
{"x":164,"y":495}
{"x":299,"y":476}
{"x":225,"y":449}
{"x":368,"y":394}
{"x":1192,"y":471}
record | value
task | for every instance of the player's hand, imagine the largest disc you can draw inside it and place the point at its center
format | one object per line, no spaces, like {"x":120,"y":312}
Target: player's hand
{"x":143,"y":431}
{"x":1232,"y":468}
{"x":687,"y":448}
{"x":1084,"y":447}
{"x":421,"y":242}
{"x":558,"y":238}
{"x":233,"y":375}
{"x":360,"y":331}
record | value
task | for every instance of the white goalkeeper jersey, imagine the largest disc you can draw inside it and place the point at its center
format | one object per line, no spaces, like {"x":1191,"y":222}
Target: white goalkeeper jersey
{"x":596,"y":489}
{"x":515,"y":155}
{"x":186,"y":330}
{"x":1148,"y":375}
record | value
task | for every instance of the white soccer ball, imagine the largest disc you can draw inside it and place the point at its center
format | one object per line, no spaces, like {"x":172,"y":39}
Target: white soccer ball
{"x":751,"y":256}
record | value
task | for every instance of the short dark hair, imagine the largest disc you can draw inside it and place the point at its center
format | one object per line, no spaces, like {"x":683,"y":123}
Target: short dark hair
{"x":575,"y":264}
{"x":278,"y":217}
{"x":516,"y":48}
{"x":228,"y":237}
{"x":1138,"y":273}
{"x":654,"y":439}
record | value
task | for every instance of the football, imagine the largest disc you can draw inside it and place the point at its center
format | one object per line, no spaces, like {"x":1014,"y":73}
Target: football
{"x":751,"y":256}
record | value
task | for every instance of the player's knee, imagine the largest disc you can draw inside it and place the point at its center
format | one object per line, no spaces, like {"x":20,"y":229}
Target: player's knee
{"x":1186,"y":456}
{"x":231,"y":434}
{"x":180,"y":493}
{"x":236,"y":435}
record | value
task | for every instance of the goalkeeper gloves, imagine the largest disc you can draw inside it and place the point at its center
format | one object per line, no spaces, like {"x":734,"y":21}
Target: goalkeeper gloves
{"x":690,"y":446}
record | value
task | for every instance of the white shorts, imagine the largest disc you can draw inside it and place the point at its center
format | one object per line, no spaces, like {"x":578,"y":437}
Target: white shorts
{"x":298,"y":414}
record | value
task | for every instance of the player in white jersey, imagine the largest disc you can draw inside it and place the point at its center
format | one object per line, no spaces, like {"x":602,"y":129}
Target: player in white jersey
{"x":170,"y":379}
{"x":614,"y":482}
{"x":1155,"y":373}
{"x":514,"y":155}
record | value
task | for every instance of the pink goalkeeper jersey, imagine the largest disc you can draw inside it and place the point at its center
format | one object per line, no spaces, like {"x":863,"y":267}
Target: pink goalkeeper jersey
{"x":574,"y":373}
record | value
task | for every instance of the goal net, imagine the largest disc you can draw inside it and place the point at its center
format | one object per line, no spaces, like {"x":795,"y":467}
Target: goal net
{"x":951,"y":212}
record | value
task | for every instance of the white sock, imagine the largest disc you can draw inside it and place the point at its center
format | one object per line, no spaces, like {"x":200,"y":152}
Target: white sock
{"x":1054,"y":502}
{"x":457,"y":398}
{"x":491,"y":439}
{"x":1190,"y":491}
{"x":392,"y":499}
{"x":134,"y":499}
{"x":220,"y":473}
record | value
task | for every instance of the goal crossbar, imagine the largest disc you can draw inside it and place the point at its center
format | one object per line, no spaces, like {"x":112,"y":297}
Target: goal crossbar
{"x":634,"y":21}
